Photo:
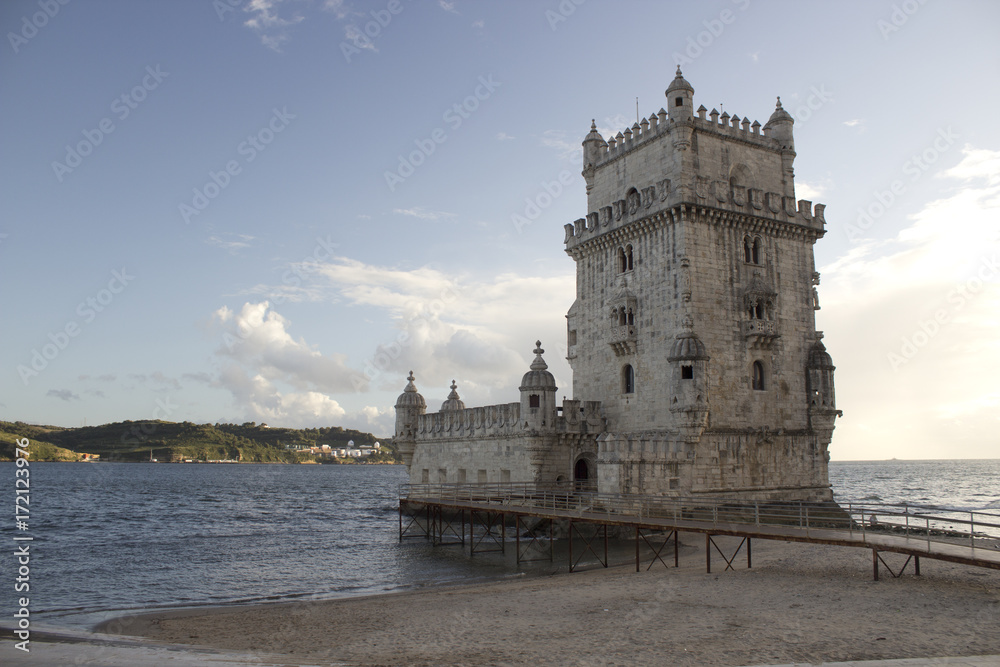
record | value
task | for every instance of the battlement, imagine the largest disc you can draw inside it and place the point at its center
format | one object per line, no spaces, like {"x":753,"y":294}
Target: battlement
{"x":659,"y":204}
{"x":658,"y":125}
{"x":505,"y":420}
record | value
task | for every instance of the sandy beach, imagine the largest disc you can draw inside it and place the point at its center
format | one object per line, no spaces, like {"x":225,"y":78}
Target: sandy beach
{"x":798,"y":604}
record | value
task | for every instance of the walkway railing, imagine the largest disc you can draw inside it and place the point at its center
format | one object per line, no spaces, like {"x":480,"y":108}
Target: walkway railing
{"x":861,"y":521}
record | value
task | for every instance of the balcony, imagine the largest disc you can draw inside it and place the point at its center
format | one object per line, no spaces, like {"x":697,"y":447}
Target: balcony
{"x":622,"y":339}
{"x":760,"y":333}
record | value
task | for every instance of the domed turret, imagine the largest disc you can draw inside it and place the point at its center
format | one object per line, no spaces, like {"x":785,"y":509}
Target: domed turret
{"x":779,"y":127}
{"x":593,"y":145}
{"x":409,"y":406}
{"x":538,"y":395}
{"x":688,"y":347}
{"x":538,"y":377}
{"x":453,"y":402}
{"x":411,"y":398}
{"x":680,"y":98}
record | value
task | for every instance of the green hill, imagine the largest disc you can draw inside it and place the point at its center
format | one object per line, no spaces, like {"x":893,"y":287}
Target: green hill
{"x":172,"y":441}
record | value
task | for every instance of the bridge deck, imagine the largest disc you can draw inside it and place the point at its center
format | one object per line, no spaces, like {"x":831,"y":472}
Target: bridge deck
{"x":958,"y":536}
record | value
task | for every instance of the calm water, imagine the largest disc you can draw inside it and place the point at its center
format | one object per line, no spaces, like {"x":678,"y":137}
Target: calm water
{"x":117,"y":536}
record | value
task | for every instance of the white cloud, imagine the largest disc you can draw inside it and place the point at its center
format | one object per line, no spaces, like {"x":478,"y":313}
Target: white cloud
{"x":423,"y":214}
{"x":267,"y":22}
{"x":230,"y":242}
{"x":808,"y":191}
{"x":854,"y":122}
{"x":503,"y":136}
{"x":447,"y":6}
{"x":450,"y":326}
{"x":913,"y":324}
{"x":63,"y":395}
{"x":569,"y":150}
{"x":257,"y":339}
{"x":480,"y":24}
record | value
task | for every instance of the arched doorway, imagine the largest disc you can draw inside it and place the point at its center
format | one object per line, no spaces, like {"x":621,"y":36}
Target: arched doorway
{"x":584,"y":477}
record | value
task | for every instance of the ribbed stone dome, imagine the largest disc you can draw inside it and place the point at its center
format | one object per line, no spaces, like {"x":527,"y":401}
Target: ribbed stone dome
{"x":410,"y":398}
{"x":688,"y":347}
{"x":453,"y":402}
{"x":819,"y":358}
{"x":538,"y":377}
{"x":779,"y":115}
{"x":679,"y":83}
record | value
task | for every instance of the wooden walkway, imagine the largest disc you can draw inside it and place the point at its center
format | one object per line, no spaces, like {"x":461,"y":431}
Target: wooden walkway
{"x":441,"y":513}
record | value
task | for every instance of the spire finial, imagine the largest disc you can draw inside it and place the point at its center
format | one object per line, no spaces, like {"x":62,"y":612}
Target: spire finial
{"x":593,"y":123}
{"x":778,"y":105}
{"x":538,"y":364}
{"x":678,"y":71}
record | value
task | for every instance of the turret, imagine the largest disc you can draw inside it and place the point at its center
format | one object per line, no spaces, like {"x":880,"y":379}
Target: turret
{"x":594,"y":146}
{"x":819,"y":386}
{"x":689,"y":383}
{"x":453,"y":402}
{"x":409,"y":406}
{"x":538,"y":395}
{"x":680,"y":98}
{"x":779,"y":128}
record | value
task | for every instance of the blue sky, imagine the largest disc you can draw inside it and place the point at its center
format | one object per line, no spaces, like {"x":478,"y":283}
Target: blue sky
{"x":271,"y":210}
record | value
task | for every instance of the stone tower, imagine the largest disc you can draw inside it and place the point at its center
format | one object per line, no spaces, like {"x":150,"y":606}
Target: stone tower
{"x":694,"y":319}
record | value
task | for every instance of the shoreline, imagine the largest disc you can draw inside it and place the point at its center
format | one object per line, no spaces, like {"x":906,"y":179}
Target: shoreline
{"x":799,"y":603}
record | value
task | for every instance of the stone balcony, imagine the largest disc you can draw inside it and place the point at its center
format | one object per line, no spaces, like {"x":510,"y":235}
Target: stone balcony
{"x":760,"y":333}
{"x":623,"y":339}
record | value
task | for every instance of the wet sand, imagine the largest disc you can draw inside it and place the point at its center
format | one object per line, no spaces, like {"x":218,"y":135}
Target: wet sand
{"x":799,"y":603}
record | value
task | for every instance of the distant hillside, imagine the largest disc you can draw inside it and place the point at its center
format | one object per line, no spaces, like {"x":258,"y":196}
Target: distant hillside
{"x":171,"y":441}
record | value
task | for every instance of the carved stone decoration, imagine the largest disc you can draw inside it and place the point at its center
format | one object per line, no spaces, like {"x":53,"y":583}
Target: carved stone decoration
{"x":592,"y":221}
{"x":663,"y":187}
{"x":570,"y":231}
{"x":685,"y":279}
{"x":756,"y":198}
{"x":773,"y":202}
{"x":606,"y":214}
{"x":633,"y":201}
{"x":739,"y":195}
{"x":721,"y":191}
{"x":789,"y":203}
{"x":648,"y":195}
{"x":701,"y":187}
{"x":619,"y":205}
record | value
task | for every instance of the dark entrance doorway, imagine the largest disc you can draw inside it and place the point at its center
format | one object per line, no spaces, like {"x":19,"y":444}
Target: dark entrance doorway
{"x":583,"y":477}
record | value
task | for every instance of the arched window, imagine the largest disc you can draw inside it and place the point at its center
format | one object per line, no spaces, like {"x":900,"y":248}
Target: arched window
{"x":631,"y":316}
{"x":757,"y":311}
{"x":628,"y":379}
{"x":747,"y":250}
{"x":622,"y":320}
{"x":622,"y":261}
{"x":755,"y":254}
{"x":533,"y":401}
{"x":758,"y":376}
{"x":628,"y":257}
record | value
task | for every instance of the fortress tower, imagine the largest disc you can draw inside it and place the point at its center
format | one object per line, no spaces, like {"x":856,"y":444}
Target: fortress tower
{"x":697,"y":367}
